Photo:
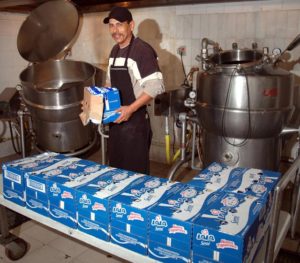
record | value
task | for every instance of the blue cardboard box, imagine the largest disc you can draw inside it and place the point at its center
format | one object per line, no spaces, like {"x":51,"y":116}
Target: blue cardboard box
{"x":93,"y":200}
{"x":54,"y":186}
{"x":130,"y":207}
{"x":216,"y":176}
{"x":171,"y":222}
{"x":111,"y":100}
{"x":14,"y":174}
{"x":255,"y":182}
{"x":228,"y":229}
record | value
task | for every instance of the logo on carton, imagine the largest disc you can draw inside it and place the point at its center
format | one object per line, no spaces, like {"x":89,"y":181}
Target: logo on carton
{"x":67,"y":194}
{"x":230,"y":201}
{"x":54,"y":189}
{"x":135,"y":216}
{"x":84,"y":200}
{"x":92,"y":169}
{"x":205,"y":237}
{"x":224,"y":243}
{"x":177,"y":229}
{"x":258,"y":188}
{"x":98,"y":207}
{"x":159,"y":223}
{"x":119,"y":210}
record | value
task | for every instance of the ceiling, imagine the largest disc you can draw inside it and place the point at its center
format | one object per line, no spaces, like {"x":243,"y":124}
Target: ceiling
{"x":88,"y":6}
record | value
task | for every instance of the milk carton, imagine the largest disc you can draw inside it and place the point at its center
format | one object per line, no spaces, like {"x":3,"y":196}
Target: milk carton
{"x":170,"y":223}
{"x":228,"y":229}
{"x":37,"y":183}
{"x":216,"y":176}
{"x":93,"y":200}
{"x":14,"y":174}
{"x":129,"y":211}
{"x":60,"y":179}
{"x":255,"y":182}
{"x":100,"y":105}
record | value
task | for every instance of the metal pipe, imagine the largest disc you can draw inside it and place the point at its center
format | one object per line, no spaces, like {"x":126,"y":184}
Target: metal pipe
{"x":20,"y":115}
{"x":295,"y":205}
{"x":182,"y":118}
{"x":176,"y":166}
{"x":286,"y":178}
{"x":288,"y":130}
{"x":103,"y":143}
{"x":193,"y":166}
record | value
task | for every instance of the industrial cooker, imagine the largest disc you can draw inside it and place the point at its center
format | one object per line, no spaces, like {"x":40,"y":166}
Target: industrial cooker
{"x":244,"y":102}
{"x":52,"y":87}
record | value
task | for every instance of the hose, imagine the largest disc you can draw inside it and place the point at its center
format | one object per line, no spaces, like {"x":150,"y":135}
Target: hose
{"x":167,"y":141}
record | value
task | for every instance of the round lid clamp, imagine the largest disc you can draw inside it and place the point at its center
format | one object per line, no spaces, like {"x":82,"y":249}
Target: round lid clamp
{"x":48,"y":31}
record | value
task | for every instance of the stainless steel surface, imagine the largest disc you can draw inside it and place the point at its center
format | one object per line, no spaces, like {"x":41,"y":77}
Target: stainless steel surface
{"x":48,"y":31}
{"x":289,"y":176}
{"x":243,"y":104}
{"x":53,"y":91}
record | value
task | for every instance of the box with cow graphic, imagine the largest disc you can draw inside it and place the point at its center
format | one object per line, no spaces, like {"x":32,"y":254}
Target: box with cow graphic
{"x":60,"y":179}
{"x":129,"y":211}
{"x":255,"y":182}
{"x":14,"y":174}
{"x":93,"y":200}
{"x":229,"y":229}
{"x":216,"y":176}
{"x":171,"y":222}
{"x":37,"y":196}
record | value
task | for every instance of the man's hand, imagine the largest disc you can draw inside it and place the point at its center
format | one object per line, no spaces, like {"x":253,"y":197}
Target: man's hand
{"x":127,"y":111}
{"x":125,"y":114}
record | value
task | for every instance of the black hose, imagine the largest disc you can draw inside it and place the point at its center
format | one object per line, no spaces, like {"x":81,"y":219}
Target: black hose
{"x":12,"y":138}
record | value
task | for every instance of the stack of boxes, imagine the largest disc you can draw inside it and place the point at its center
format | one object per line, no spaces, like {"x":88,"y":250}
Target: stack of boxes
{"x":14,"y":176}
{"x":232,"y":228}
{"x":93,"y":200}
{"x":221,"y":215}
{"x":171,"y":223}
{"x":129,"y":211}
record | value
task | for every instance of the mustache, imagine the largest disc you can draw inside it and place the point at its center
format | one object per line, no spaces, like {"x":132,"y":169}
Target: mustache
{"x":116,"y":34}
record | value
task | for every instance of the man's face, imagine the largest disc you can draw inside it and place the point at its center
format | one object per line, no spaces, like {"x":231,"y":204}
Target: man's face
{"x":121,"y":32}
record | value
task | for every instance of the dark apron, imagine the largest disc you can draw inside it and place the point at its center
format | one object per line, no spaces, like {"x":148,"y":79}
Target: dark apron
{"x":129,"y":142}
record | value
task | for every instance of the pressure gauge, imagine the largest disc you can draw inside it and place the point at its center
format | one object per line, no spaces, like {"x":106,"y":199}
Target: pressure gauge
{"x":192,"y":94}
{"x":276,"y":51}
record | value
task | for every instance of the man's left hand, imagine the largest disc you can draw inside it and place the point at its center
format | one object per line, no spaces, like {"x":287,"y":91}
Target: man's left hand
{"x":125,"y":114}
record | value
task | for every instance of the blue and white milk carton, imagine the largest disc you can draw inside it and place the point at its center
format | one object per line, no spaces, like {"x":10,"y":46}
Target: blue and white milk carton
{"x":255,"y":182}
{"x":216,"y":176}
{"x":228,"y":229}
{"x":129,"y":211}
{"x":36,"y":188}
{"x":93,"y":200}
{"x":170,"y":223}
{"x":14,"y":174}
{"x":61,"y":179}
{"x":111,"y":99}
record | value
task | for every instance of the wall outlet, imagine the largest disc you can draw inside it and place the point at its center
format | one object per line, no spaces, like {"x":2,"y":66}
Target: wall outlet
{"x":181,"y":50}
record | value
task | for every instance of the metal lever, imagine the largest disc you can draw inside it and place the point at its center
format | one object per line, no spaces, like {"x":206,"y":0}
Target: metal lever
{"x":290,"y":47}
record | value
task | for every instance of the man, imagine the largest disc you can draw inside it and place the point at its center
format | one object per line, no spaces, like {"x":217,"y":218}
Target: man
{"x":134,"y":70}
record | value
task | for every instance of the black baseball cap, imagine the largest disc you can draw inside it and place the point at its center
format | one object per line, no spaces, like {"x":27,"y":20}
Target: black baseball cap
{"x":119,"y":13}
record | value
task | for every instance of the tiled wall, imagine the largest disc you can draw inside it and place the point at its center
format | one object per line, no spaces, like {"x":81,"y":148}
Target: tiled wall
{"x":272,"y":23}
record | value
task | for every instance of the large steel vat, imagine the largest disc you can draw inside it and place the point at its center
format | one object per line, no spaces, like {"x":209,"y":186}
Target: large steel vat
{"x":53,"y":89}
{"x":243,"y":103}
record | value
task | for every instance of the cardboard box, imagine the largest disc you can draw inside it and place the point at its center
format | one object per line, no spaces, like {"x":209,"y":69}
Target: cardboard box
{"x":228,"y":229}
{"x":255,"y":182}
{"x":129,"y":209}
{"x":171,"y":222}
{"x":93,"y":200}
{"x":99,"y":105}
{"x":216,"y":176}
{"x":14,"y":174}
